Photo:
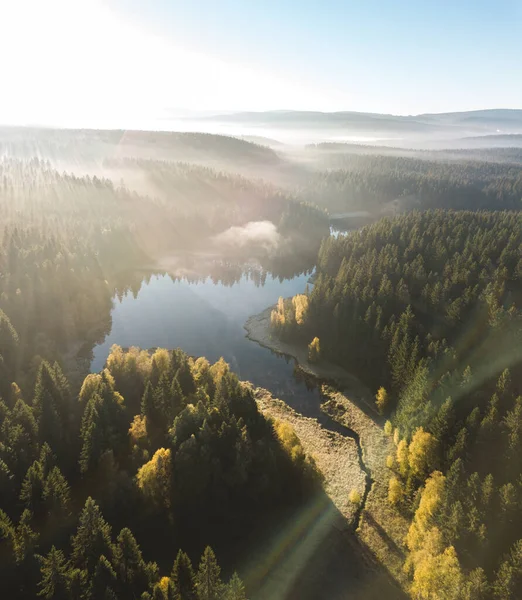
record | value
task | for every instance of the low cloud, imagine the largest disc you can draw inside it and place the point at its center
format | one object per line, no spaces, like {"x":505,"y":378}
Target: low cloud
{"x":262,"y":234}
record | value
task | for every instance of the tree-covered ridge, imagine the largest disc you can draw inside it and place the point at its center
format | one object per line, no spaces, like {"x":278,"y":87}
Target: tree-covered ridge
{"x":163,"y":445}
{"x":427,"y":308}
{"x":92,"y":145}
{"x":372,"y":182}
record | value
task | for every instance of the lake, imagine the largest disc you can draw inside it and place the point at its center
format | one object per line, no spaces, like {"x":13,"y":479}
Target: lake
{"x":206,"y":319}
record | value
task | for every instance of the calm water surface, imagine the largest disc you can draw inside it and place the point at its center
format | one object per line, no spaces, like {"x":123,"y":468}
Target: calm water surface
{"x":206,"y":319}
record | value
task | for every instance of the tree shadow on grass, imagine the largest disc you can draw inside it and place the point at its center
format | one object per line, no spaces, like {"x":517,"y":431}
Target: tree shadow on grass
{"x":312,"y":555}
{"x":384,"y":536}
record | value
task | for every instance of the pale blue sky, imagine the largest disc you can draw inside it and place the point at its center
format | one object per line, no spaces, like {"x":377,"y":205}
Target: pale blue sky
{"x":110,"y":61}
{"x":396,"y":56}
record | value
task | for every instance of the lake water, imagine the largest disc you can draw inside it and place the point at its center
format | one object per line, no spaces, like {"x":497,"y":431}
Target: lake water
{"x":206,"y":319}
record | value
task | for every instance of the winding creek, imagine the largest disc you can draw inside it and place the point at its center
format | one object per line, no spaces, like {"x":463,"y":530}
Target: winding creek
{"x":207,"y":319}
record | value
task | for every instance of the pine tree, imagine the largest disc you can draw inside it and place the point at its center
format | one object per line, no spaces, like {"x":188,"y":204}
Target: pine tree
{"x":92,"y":538}
{"x":103,"y":582}
{"x":54,"y":575}
{"x":208,"y":582}
{"x":183,"y":577}
{"x":45,"y":406}
{"x":8,"y":350}
{"x":235,"y":590}
{"x":25,"y":538}
{"x":129,"y":564}
{"x":33,"y":486}
{"x":57,"y":493}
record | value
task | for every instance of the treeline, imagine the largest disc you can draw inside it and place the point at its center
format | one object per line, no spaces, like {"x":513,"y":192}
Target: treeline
{"x":172,"y":450}
{"x":372,"y":182}
{"x":426,"y":309}
{"x":91,"y":146}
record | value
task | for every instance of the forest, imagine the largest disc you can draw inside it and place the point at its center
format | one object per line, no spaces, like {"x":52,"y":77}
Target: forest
{"x":140,"y":481}
{"x":425,"y":308}
{"x":387,"y":184}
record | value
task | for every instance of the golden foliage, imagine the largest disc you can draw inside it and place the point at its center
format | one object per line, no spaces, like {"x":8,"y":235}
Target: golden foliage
{"x":90,"y":385}
{"x":438,"y":576}
{"x":355,"y":497}
{"x":219,"y":369}
{"x":292,"y":446}
{"x":395,"y":491}
{"x":138,"y":430}
{"x":154,"y":478}
{"x":430,"y":500}
{"x":314,"y":350}
{"x":161,"y":359}
{"x":381,"y":399}
{"x":422,"y":452}
{"x":300,"y":304}
{"x":129,"y":362}
{"x":403,"y":457}
{"x":388,"y":428}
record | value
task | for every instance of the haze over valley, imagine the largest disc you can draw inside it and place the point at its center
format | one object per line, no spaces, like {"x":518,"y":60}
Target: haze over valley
{"x":260,"y":301}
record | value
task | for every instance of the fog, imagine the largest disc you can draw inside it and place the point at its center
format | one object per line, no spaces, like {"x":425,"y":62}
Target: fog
{"x":262,"y":234}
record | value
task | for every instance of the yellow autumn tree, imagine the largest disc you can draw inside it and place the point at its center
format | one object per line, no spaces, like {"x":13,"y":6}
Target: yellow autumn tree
{"x":422,"y":452}
{"x":355,"y":497}
{"x":293,"y":447}
{"x":277,"y":316}
{"x":300,"y":304}
{"x":403,"y":458}
{"x":138,"y":431}
{"x":314,"y":350}
{"x":219,"y":369}
{"x":154,"y":478}
{"x":381,"y":400}
{"x":395,"y":491}
{"x":161,"y":361}
{"x":431,"y":497}
{"x":435,"y":569}
{"x":437,"y":573}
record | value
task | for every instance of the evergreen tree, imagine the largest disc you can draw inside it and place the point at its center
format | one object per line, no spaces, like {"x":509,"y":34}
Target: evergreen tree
{"x":183,"y":577}
{"x":208,"y":582}
{"x":103,"y":582}
{"x":92,"y":538}
{"x":54,"y":581}
{"x":235,"y":590}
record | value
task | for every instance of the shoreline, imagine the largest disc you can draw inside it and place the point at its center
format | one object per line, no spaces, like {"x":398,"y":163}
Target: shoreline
{"x":258,"y":330}
{"x":350,"y":403}
{"x":335,"y":455}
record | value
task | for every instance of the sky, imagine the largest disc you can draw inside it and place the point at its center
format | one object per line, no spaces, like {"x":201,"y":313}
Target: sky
{"x":125,"y":62}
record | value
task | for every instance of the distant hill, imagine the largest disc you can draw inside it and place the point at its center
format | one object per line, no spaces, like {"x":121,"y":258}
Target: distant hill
{"x":492,"y":120}
{"x":93,"y":144}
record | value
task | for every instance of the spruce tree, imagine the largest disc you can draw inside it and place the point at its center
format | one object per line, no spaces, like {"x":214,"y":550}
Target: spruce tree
{"x":54,"y":575}
{"x":208,"y":581}
{"x":183,"y":577}
{"x":92,"y":538}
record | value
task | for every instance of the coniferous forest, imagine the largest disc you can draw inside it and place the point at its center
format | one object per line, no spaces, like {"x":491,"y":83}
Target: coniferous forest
{"x":425,"y":308}
{"x":144,"y":479}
